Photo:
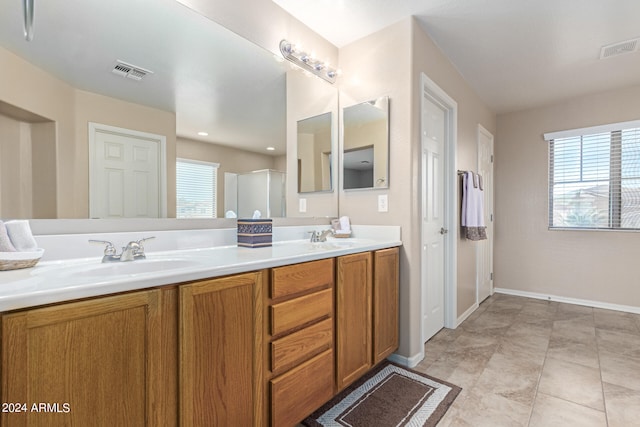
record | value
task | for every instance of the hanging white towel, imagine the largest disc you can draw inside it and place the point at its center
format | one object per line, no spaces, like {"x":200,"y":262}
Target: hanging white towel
{"x":473,"y":207}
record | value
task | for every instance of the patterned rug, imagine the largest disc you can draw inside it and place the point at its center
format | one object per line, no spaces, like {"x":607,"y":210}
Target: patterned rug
{"x":389,"y":395}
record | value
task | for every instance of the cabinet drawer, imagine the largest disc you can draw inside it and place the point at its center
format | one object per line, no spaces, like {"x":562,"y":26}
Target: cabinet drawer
{"x":297,"y":278}
{"x":302,"y":390}
{"x":301,"y":345}
{"x":297,"y":312}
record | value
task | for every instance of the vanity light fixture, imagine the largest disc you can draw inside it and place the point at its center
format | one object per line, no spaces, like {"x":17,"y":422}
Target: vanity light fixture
{"x":27,"y":9}
{"x":308,"y":62}
{"x":203,"y":134}
{"x":270,"y":148}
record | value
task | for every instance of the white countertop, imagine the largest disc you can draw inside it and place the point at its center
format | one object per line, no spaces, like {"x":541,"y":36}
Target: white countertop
{"x":69,"y":279}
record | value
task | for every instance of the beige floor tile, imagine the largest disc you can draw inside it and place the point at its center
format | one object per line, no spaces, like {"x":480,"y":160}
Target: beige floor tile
{"x":618,"y":342}
{"x":531,"y":362}
{"x":513,"y":378}
{"x":480,"y":410}
{"x":572,"y":382}
{"x":574,"y":332}
{"x":575,"y":352}
{"x":615,"y":320}
{"x":620,"y":370}
{"x":623,"y":405}
{"x":549,"y":411}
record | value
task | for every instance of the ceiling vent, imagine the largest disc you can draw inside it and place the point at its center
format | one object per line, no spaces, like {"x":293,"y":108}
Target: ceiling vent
{"x":620,"y":48}
{"x":130,"y":71}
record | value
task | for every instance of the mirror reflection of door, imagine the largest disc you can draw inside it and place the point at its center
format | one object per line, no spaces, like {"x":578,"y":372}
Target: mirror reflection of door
{"x":366,"y":145}
{"x":314,"y":154}
{"x":126,"y":173}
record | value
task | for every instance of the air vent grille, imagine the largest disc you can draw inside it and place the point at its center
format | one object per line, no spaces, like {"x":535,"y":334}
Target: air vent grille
{"x":130,"y":71}
{"x":620,"y":48}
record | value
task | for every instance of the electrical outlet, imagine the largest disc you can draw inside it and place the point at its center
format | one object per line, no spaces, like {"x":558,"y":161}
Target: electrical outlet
{"x":303,"y":206}
{"x":383,"y":203}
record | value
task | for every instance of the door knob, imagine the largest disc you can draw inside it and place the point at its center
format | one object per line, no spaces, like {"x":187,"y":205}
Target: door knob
{"x":443,"y":230}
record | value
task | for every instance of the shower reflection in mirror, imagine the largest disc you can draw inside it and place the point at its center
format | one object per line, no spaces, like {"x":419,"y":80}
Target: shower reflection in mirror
{"x":314,"y":154}
{"x":366,"y":145}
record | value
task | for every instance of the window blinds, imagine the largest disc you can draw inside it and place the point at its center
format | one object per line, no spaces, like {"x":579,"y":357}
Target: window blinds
{"x":594,"y":179}
{"x":196,"y":189}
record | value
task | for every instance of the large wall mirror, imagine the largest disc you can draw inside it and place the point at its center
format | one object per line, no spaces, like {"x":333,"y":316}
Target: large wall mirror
{"x":194,"y":77}
{"x":365,"y":157}
{"x":314,"y":147}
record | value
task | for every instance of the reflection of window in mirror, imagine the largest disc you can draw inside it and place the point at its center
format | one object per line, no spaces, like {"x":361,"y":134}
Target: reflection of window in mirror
{"x":196,"y":189}
{"x":314,"y":153}
{"x":366,"y":145}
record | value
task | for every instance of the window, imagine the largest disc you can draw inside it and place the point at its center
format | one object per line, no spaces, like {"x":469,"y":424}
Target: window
{"x":196,"y":189}
{"x":594,"y":177}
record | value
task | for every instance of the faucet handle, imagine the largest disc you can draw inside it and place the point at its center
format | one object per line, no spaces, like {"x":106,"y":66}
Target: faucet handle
{"x":145,"y":239}
{"x":109,"y":249}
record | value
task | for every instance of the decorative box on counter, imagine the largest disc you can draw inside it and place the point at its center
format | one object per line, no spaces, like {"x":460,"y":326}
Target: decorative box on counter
{"x":254,"y":233}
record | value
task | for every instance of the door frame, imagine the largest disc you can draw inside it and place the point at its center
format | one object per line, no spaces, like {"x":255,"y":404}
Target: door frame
{"x":483,"y":131}
{"x":428,"y":88}
{"x":162,"y":160}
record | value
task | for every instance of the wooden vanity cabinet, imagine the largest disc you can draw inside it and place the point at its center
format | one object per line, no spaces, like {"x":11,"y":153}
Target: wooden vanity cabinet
{"x":98,"y":362}
{"x":386,"y":300}
{"x":220,"y":335}
{"x":299,"y":340}
{"x":366,"y":311}
{"x":353,"y":317}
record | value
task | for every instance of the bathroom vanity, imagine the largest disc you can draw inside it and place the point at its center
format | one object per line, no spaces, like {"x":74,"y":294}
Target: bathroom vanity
{"x":236,"y":337}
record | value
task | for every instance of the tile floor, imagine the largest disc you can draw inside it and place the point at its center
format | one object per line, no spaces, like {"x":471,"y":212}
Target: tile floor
{"x":527,"y":362}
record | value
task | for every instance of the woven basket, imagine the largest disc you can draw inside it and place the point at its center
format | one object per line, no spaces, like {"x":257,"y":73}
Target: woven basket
{"x":18,"y":260}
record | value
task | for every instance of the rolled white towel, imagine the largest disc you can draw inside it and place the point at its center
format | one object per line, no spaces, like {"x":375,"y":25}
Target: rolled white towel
{"x":20,"y":234}
{"x":5,"y":242}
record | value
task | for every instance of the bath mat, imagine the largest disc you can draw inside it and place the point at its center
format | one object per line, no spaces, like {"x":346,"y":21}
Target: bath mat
{"x":389,"y":395}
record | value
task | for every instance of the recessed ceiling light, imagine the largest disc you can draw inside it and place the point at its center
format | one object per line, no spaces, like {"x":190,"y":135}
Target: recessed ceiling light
{"x":203,"y":133}
{"x":270,"y":148}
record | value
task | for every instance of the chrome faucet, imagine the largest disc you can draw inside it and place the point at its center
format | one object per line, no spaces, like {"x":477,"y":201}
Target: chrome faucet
{"x":133,"y":251}
{"x":320,"y":236}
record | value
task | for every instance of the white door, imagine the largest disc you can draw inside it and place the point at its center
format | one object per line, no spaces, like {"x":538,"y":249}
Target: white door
{"x":485,"y":247}
{"x":125,"y":174}
{"x":434,"y":132}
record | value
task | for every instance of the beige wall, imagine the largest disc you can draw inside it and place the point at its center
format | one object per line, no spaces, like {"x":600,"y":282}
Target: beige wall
{"x":389,"y":62}
{"x":230,"y":160}
{"x":589,"y":265}
{"x":30,"y":88}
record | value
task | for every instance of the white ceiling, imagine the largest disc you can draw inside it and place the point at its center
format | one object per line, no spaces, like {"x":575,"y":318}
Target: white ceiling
{"x":213,"y":79}
{"x":516,"y":54}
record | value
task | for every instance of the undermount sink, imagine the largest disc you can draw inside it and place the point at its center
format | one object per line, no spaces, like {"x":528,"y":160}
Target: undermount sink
{"x":135,"y":267}
{"x":107,"y":270}
{"x":330,"y":244}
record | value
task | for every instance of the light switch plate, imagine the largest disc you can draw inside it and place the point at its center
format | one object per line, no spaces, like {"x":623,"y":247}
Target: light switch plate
{"x":303,"y":206}
{"x":383,"y":203}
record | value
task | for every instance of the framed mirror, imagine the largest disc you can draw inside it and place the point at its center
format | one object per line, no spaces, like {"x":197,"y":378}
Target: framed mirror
{"x":314,"y":144}
{"x":365,"y":156}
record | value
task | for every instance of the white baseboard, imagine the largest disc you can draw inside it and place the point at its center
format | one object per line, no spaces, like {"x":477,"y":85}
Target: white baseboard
{"x":466,"y":314}
{"x":409,"y":362}
{"x":576,"y":301}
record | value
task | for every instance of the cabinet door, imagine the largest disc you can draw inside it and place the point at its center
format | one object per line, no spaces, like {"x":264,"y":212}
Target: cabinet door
{"x":385,"y":303}
{"x":353,"y":320}
{"x":220,"y":348}
{"x":90,"y":363}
